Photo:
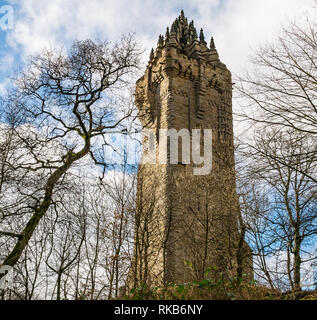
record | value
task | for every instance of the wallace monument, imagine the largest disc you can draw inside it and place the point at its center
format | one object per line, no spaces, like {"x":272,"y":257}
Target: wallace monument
{"x":187,"y":217}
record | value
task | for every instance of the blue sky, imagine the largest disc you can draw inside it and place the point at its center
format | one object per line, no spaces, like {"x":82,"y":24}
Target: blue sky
{"x":237,"y":25}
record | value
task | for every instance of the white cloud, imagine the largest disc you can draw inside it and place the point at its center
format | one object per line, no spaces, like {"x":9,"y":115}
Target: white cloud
{"x":6,"y":62}
{"x":2,"y":89}
{"x":236,"y":24}
{"x":245,"y":24}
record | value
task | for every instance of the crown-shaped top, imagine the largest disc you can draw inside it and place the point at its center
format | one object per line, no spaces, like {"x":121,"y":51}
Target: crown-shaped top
{"x":183,"y":35}
{"x":185,"y":32}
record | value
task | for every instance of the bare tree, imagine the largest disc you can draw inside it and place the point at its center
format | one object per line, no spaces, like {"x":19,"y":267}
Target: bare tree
{"x":284,"y":218}
{"x":281,"y":90}
{"x":67,"y":104}
{"x":121,"y":190}
{"x":66,"y":238}
{"x":278,"y":100}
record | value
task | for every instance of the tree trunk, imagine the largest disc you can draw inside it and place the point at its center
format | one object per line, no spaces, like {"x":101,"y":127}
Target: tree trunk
{"x":40,"y":211}
{"x":297,"y":262}
{"x":59,"y":279}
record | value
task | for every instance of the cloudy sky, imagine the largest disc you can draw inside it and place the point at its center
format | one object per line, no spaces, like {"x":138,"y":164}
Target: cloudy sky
{"x":237,"y":25}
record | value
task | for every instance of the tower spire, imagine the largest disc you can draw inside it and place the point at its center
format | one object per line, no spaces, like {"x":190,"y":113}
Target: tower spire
{"x":160,"y":41}
{"x":193,"y":30}
{"x":212,"y":44}
{"x":202,"y":37}
{"x":167,"y":34}
{"x":152,"y":54}
{"x":174,"y":27}
{"x":182,"y":14}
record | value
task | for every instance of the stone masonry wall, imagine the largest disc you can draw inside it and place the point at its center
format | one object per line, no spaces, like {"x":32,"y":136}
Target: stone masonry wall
{"x":185,"y":223}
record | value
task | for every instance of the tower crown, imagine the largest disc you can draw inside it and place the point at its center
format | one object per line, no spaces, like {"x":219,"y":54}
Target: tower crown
{"x":184,"y":37}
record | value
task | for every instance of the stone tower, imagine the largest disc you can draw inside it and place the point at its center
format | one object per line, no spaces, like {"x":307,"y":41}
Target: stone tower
{"x":186,"y":225}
